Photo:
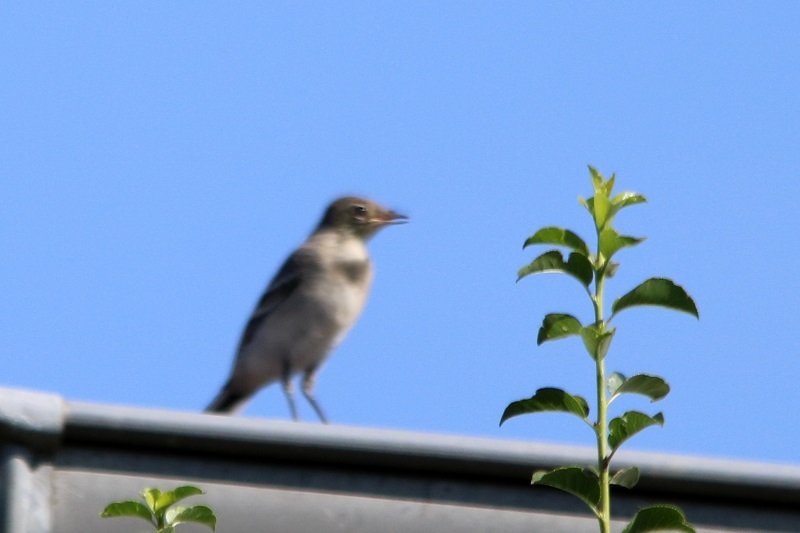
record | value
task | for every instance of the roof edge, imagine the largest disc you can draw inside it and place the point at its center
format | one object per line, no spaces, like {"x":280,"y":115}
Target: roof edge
{"x":46,"y":421}
{"x":31,"y":418}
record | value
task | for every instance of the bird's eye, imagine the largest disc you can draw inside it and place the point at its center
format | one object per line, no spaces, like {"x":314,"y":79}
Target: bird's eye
{"x":359,"y":210}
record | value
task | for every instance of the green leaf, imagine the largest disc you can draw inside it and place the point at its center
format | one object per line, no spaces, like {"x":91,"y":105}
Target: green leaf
{"x":577,"y":265}
{"x":547,"y":399}
{"x":624,"y":199}
{"x":151,"y":496}
{"x":556,"y":326}
{"x":576,"y":480}
{"x":558,"y":237}
{"x":599,"y":204}
{"x":604,"y":208}
{"x":168,"y":529}
{"x":128,"y":508}
{"x":600,"y":210}
{"x":596,"y":343}
{"x":615,"y":381}
{"x":169,"y":515}
{"x":588,"y":203}
{"x":165,"y":499}
{"x":597,"y":179}
{"x":659,"y":518}
{"x":598,"y":207}
{"x":608,"y":186}
{"x":653,"y":387}
{"x":627,"y":477}
{"x":199,"y":514}
{"x":629,"y":424}
{"x":600,"y":184}
{"x":611,"y":242}
{"x":611,"y":269}
{"x":657,"y":291}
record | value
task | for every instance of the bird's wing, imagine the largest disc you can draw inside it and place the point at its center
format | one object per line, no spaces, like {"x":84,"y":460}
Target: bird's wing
{"x":285,"y":282}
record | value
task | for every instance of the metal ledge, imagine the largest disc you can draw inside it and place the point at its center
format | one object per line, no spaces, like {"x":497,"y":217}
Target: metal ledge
{"x":46,"y":420}
{"x":45,"y":431}
{"x":33,"y":419}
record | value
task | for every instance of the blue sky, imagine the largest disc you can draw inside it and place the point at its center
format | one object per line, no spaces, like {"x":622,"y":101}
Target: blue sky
{"x":158,"y":160}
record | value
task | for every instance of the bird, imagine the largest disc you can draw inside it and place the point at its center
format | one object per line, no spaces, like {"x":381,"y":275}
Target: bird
{"x":308,"y":307}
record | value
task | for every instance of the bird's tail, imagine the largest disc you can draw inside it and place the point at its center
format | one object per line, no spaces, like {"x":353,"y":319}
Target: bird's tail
{"x":227,"y":401}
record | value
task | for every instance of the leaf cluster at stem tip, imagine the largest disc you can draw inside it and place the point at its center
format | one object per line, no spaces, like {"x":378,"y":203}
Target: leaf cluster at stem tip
{"x":587,"y":267}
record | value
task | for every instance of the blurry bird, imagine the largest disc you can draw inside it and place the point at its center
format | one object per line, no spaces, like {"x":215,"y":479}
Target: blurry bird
{"x":308,"y":307}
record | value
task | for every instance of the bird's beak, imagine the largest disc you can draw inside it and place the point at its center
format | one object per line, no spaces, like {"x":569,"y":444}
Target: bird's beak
{"x":390,"y":217}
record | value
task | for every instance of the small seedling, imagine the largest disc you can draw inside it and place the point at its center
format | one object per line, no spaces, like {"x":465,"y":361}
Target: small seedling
{"x":159,"y":509}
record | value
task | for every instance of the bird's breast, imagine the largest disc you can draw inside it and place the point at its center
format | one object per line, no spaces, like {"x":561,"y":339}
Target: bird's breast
{"x":340,"y":282}
{"x":357,"y":272}
{"x":344,"y":289}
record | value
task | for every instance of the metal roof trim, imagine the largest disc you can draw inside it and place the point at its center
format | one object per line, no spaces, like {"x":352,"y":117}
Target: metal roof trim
{"x":46,"y":420}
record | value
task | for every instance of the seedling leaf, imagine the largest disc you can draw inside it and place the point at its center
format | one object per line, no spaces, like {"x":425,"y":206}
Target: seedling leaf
{"x":559,"y":237}
{"x":165,"y":499}
{"x":627,"y":477}
{"x":653,"y":387}
{"x":199,"y":514}
{"x":624,"y":199}
{"x":577,"y":265}
{"x":151,"y":496}
{"x":596,"y":343}
{"x":611,"y":242}
{"x":657,"y":291}
{"x":611,"y":269}
{"x":659,"y":518}
{"x":557,"y":326}
{"x":548,"y":399}
{"x":597,"y":179}
{"x":599,"y":204}
{"x":629,"y":424}
{"x":615,"y":381}
{"x":128,"y":508}
{"x":576,"y":480}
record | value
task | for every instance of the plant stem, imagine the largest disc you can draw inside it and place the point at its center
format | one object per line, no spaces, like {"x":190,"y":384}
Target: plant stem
{"x":602,"y":414}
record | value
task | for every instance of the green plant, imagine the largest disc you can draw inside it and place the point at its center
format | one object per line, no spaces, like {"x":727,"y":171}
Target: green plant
{"x":159,"y":509}
{"x":591,"y":270}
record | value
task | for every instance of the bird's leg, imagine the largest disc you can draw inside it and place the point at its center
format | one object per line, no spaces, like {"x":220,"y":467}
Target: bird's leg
{"x":308,"y":392}
{"x":288,"y":390}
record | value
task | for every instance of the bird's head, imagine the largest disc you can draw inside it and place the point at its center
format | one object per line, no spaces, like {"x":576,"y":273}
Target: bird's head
{"x":360,"y":216}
